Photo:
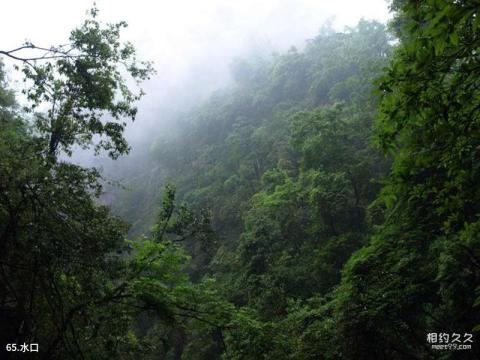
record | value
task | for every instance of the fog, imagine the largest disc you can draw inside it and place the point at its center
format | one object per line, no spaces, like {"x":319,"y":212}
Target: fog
{"x":191,"y":42}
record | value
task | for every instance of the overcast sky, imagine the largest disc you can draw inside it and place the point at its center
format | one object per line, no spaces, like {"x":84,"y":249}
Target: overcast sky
{"x":191,"y":42}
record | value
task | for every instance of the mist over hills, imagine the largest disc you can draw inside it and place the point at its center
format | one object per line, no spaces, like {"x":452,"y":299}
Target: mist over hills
{"x":277,"y":192}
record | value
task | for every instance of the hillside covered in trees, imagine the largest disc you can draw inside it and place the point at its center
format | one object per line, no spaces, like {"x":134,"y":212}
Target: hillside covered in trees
{"x":324,"y":206}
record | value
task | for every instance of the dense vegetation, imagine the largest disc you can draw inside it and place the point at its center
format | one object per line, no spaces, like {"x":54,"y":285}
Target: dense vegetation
{"x":328,"y":201}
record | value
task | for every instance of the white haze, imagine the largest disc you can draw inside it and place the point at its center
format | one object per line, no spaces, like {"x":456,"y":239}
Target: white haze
{"x":191,"y":42}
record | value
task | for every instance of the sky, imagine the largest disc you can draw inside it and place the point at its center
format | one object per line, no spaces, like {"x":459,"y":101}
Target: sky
{"x":191,"y":42}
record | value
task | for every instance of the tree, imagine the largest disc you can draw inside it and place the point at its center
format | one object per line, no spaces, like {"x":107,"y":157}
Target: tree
{"x":82,"y":82}
{"x":283,"y":161}
{"x":420,"y":272}
{"x":57,"y":244}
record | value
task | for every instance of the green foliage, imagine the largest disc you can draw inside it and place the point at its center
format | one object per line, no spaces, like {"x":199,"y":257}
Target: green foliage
{"x":300,"y":240}
{"x":59,"y":248}
{"x":69,"y":280}
{"x":82,"y":82}
{"x":283,"y":161}
{"x":396,"y":290}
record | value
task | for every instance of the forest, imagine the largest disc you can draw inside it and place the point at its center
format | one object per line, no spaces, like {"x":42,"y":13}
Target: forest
{"x":325,"y":205}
